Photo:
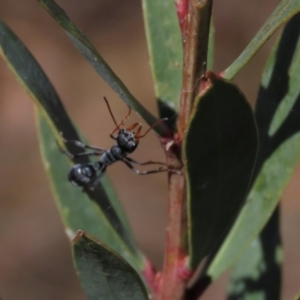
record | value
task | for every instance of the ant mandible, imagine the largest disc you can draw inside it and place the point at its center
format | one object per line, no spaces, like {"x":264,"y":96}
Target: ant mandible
{"x":89,"y":174}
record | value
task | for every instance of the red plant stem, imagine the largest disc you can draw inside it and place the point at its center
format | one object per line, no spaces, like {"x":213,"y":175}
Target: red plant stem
{"x":171,"y":285}
{"x":194,"y":18}
{"x":195,"y":45}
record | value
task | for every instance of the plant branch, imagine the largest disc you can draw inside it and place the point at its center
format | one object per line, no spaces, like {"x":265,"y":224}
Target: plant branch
{"x":194,"y":19}
{"x":195,"y":43}
{"x":172,"y":281}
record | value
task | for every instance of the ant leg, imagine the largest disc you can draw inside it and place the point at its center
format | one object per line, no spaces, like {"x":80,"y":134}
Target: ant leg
{"x":130,"y":166}
{"x":97,"y":180}
{"x":69,"y":154}
{"x":149,"y":162}
{"x":79,"y":154}
{"x":81,"y":145}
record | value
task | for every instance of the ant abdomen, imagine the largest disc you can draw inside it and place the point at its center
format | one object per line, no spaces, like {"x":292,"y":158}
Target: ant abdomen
{"x":81,"y":174}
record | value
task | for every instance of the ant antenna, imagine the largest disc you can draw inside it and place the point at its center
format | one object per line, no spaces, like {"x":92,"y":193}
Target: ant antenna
{"x":152,"y":126}
{"x":109,"y":109}
{"x":112,"y":116}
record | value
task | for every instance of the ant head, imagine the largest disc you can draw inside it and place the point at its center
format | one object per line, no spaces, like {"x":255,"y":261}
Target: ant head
{"x":127,"y":140}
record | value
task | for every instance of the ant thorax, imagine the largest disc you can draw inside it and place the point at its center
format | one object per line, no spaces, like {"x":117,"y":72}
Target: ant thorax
{"x":127,"y":141}
{"x":112,"y":155}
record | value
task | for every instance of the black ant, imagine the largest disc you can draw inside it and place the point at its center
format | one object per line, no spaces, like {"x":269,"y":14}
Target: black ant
{"x":85,"y":175}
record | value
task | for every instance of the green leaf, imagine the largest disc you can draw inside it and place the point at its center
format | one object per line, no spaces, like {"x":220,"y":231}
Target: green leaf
{"x":277,"y":113}
{"x":211,"y":47}
{"x":291,"y":96}
{"x":283,"y":12}
{"x":297,"y":297}
{"x":165,"y":48}
{"x":262,"y":200}
{"x":276,"y":161}
{"x":278,"y":156}
{"x":103,"y":274}
{"x":87,"y":49}
{"x":257,"y":274}
{"x":76,"y":208}
{"x":103,"y":216}
{"x":220,"y":150}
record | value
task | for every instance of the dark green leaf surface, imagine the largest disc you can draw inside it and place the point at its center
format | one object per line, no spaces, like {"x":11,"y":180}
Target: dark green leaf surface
{"x":261,"y":202}
{"x":103,"y":274}
{"x":257,"y":274}
{"x":277,"y":113}
{"x":165,"y":48}
{"x":283,"y":12}
{"x":288,"y":101}
{"x":220,"y":150}
{"x":277,"y":159}
{"x":103,"y":217}
{"x":86,"y":48}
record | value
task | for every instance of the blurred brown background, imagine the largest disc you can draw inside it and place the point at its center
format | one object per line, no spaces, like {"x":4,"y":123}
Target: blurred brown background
{"x":35,"y":261}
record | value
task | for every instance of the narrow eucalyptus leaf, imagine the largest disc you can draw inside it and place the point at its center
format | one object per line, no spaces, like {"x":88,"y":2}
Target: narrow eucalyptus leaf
{"x":104,"y":215}
{"x":76,"y":208}
{"x":257,"y":273}
{"x":88,"y":50}
{"x":165,"y":48}
{"x":293,"y":90}
{"x":261,"y":202}
{"x":297,"y":297}
{"x":277,"y":112}
{"x":285,"y":10}
{"x":211,"y":46}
